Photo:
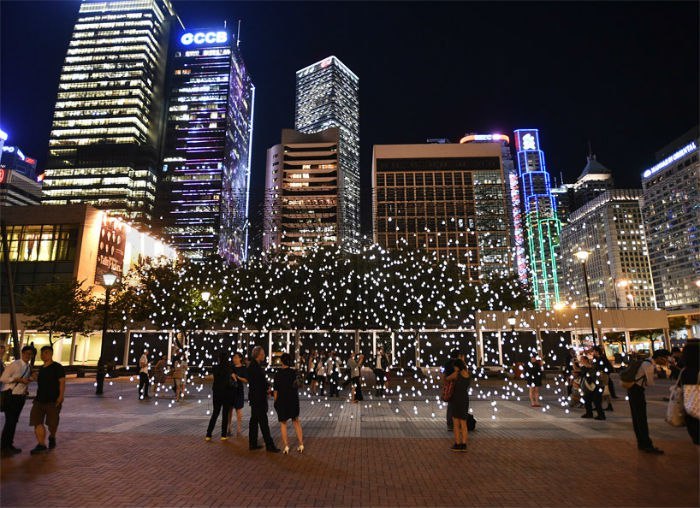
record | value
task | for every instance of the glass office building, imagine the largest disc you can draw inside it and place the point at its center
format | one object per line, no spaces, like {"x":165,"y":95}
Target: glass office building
{"x":450,"y":199}
{"x":205,"y":174}
{"x":542,"y":225}
{"x":610,"y":227}
{"x":671,"y":194}
{"x":327,"y":95}
{"x":103,"y":146}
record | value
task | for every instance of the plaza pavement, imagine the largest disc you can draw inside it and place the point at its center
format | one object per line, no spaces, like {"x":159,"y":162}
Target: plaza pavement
{"x":117,"y":451}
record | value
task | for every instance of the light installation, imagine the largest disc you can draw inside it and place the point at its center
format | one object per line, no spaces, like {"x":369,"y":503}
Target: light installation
{"x":541,"y":222}
{"x":203,"y":191}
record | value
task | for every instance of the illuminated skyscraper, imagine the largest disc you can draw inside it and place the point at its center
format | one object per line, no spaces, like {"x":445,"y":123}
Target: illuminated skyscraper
{"x":541,"y":223}
{"x":450,"y":199}
{"x":301,"y":199}
{"x":327,"y":95}
{"x":203,"y":191}
{"x":671,"y":208}
{"x":103,"y":147}
{"x":510,"y":179}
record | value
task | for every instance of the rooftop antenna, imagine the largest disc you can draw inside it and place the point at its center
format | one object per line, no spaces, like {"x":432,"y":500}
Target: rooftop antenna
{"x":224,"y":23}
{"x":238,"y":35}
{"x":561,"y":178}
{"x":590,"y":150}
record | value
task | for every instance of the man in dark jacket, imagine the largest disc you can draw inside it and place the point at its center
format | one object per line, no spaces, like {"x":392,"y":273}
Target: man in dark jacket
{"x":257,"y":396}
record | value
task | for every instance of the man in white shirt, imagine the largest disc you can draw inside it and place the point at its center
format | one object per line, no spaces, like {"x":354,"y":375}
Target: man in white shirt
{"x":638,"y":403}
{"x":15,"y":379}
{"x":144,"y":382}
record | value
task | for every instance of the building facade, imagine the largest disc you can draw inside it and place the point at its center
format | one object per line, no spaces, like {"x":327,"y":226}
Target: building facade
{"x":103,"y":146}
{"x":611,"y":229}
{"x":510,"y":178}
{"x":203,"y":190}
{"x":64,"y":243}
{"x":450,"y":199}
{"x":542,"y":225}
{"x":327,"y":95}
{"x":302,"y":201}
{"x":672,"y":218}
{"x":18,"y":179}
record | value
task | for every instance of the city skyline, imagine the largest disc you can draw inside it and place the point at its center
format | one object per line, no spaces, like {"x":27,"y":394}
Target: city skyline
{"x":414,"y":87}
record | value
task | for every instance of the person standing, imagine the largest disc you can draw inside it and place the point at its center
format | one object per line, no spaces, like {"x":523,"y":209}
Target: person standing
{"x":381,"y":363}
{"x":638,"y":404}
{"x":355,"y":365}
{"x":690,"y":360}
{"x":49,"y":400}
{"x":333,"y":374}
{"x":257,"y":397}
{"x":460,"y":404}
{"x":222,"y":396}
{"x":144,"y":382}
{"x":592,"y":388}
{"x":447,"y":370}
{"x":100,"y":377}
{"x":312,"y":369}
{"x":534,"y":379}
{"x":180,"y":376}
{"x":286,"y":394}
{"x":240,"y":376}
{"x":15,"y":379}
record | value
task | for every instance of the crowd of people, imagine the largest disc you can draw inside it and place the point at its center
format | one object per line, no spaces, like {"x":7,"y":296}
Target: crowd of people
{"x":588,"y":374}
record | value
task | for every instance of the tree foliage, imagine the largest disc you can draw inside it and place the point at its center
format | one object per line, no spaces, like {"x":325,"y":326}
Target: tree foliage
{"x":60,"y":308}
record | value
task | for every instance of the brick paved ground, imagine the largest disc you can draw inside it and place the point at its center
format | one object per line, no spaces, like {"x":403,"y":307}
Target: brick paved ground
{"x":122,"y":452}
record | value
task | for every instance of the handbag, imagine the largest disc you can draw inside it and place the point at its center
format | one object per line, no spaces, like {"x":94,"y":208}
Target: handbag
{"x":691,"y":399}
{"x":675,"y":414}
{"x":448,"y":389}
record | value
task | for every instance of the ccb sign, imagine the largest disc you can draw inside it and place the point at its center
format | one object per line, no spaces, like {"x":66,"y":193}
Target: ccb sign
{"x":204,"y":38}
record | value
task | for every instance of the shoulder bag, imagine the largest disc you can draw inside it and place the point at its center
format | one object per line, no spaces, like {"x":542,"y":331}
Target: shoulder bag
{"x":691,"y":399}
{"x":675,"y":414}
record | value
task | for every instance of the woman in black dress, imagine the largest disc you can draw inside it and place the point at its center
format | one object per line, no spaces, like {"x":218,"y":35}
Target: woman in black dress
{"x":240,"y":376}
{"x":534,"y":380}
{"x":460,"y":404}
{"x":286,"y":394}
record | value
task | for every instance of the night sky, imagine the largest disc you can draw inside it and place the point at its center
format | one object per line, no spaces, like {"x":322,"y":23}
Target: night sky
{"x":622,"y":75}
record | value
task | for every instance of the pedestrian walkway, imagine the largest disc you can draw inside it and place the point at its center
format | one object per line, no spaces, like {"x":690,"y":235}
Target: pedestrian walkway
{"x":117,"y":451}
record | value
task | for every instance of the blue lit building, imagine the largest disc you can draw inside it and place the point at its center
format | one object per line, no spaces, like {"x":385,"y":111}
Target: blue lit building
{"x":542,"y":225}
{"x":205,"y":171}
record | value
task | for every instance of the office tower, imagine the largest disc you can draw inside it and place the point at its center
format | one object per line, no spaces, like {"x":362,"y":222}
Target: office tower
{"x":671,"y":208}
{"x":450,"y":199}
{"x":510,"y":178}
{"x":301,"y":192}
{"x":205,"y":173}
{"x":103,"y":146}
{"x":18,"y":178}
{"x":594,"y":180}
{"x":542,"y":225}
{"x":610,"y":227}
{"x":327,"y":95}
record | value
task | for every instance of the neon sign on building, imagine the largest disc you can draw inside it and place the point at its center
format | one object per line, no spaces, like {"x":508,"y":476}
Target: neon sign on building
{"x":204,"y":38}
{"x":689,"y":148}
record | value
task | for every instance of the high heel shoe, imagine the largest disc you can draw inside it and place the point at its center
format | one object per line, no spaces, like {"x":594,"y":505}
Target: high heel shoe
{"x":300,"y":448}
{"x":286,"y":450}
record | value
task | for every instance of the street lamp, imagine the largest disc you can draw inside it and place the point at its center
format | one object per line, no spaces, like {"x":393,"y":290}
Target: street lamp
{"x":108,"y":280}
{"x":582,"y":256}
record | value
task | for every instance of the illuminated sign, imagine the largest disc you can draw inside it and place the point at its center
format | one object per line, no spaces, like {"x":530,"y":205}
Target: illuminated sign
{"x":527,"y":140}
{"x":204,"y":38}
{"x":670,"y":159}
{"x":484,"y":137}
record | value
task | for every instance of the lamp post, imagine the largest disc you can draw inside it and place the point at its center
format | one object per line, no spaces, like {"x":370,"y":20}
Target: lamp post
{"x":108,"y":280}
{"x":582,"y":256}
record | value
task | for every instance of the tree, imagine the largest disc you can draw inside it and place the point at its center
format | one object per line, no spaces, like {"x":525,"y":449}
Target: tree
{"x":60,"y":308}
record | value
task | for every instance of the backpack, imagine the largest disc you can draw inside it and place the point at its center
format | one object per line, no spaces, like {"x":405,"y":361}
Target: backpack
{"x":628,"y":377}
{"x":471,"y":422}
{"x":448,"y":390}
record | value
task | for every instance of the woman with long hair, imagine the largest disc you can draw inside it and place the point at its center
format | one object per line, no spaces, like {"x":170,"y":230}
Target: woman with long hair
{"x":286,"y":394}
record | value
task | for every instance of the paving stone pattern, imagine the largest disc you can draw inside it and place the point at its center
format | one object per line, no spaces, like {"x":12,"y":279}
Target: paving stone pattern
{"x":118,"y":451}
